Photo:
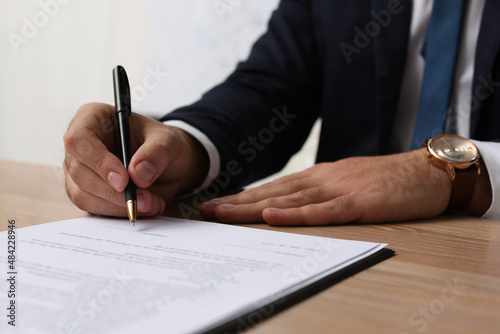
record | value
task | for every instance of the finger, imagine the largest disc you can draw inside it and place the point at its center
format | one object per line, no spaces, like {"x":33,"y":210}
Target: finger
{"x":244,"y":213}
{"x":147,"y":203}
{"x":152,"y":158}
{"x":85,"y":147}
{"x":96,"y":205}
{"x":339,"y":210}
{"x":100,"y":118}
{"x":91,"y":203}
{"x":253,"y":212}
{"x":88,"y":180}
{"x":281,"y":187}
{"x":83,"y":142}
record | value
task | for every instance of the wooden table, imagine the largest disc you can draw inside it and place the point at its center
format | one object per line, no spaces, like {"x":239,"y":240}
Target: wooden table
{"x":445,"y":277}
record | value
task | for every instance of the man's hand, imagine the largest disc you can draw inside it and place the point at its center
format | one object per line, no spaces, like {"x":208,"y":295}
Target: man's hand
{"x":166,"y":161}
{"x":368,"y":189}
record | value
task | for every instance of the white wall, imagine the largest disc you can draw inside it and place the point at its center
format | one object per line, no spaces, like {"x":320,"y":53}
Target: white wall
{"x":58,"y":54}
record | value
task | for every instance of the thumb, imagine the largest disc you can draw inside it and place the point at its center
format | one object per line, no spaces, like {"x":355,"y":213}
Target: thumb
{"x":150,"y":161}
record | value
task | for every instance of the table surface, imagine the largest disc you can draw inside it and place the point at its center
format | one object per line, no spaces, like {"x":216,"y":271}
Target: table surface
{"x":445,"y":277}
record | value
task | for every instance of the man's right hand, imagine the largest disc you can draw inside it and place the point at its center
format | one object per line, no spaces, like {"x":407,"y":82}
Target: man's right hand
{"x":167,"y":161}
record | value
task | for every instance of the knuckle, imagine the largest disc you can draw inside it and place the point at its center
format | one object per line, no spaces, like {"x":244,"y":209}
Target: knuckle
{"x":98,"y":133}
{"x":109,"y":194}
{"x":73,"y":168}
{"x":77,"y":142}
{"x":84,"y":107}
{"x":286,"y":178}
{"x":69,"y":139}
{"x":294,"y":184}
{"x":94,"y":107}
{"x":157,"y":148}
{"x":91,"y":185}
{"x":271,"y":202}
{"x":82,"y":144}
{"x":295,"y":200}
{"x":107,"y":125}
{"x":347,"y":202}
{"x":100,"y":161}
{"x":312,"y":192}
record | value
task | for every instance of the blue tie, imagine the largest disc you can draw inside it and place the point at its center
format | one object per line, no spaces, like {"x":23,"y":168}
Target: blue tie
{"x":440,"y":52}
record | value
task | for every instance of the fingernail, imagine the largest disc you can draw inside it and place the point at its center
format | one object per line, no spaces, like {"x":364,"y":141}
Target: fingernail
{"x":146,"y":170}
{"x":114,"y":180}
{"x":228,"y":206}
{"x":209,"y":205}
{"x":140,"y":202}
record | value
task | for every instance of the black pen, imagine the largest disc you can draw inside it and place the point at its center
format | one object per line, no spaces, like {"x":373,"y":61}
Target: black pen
{"x":123,"y":110}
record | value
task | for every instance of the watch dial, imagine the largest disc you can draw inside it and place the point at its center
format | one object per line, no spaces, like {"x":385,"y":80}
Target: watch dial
{"x":454,"y":148}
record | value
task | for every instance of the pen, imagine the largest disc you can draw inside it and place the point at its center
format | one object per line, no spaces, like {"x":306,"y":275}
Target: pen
{"x":123,"y":110}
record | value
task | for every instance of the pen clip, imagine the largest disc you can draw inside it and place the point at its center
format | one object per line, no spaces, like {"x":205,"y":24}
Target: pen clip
{"x":122,"y":91}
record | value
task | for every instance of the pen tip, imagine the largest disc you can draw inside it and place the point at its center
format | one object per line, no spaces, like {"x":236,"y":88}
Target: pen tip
{"x":132,"y":210}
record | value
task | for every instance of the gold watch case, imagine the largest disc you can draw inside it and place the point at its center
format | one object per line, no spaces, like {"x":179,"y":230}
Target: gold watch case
{"x":452,"y":152}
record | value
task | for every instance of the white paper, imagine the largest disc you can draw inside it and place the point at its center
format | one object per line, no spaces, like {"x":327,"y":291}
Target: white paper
{"x":165,"y":275}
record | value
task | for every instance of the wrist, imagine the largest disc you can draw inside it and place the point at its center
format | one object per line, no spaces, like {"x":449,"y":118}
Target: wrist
{"x":467,"y":174}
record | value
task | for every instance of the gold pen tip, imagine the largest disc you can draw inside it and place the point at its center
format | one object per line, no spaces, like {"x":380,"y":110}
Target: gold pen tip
{"x":132,"y":210}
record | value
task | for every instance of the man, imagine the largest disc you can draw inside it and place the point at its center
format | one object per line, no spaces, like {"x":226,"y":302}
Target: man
{"x":357,"y":65}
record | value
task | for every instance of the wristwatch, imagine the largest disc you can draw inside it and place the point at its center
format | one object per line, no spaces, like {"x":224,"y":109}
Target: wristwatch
{"x":460,"y":158}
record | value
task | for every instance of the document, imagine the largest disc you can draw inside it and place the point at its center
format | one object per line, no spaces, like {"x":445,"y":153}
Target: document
{"x":165,"y":275}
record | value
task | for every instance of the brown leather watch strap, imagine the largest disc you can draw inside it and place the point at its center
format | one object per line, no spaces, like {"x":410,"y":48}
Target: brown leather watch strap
{"x":463,"y":187}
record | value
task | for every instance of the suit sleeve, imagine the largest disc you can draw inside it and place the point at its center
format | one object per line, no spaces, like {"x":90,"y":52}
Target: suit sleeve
{"x":263,"y":112}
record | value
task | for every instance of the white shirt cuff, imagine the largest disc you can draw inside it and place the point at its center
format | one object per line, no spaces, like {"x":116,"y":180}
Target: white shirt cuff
{"x":213,"y":153}
{"x":490,"y":152}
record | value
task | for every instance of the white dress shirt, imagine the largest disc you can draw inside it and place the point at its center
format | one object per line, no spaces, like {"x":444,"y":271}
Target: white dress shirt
{"x":458,"y":121}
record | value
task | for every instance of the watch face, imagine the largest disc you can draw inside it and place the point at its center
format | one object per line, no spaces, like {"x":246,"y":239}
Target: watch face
{"x":454,"y":148}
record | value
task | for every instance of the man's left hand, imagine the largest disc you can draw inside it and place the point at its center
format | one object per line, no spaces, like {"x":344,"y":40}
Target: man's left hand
{"x":366,"y":189}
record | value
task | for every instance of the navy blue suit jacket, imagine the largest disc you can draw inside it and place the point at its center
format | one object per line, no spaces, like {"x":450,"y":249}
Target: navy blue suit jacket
{"x":341,"y":60}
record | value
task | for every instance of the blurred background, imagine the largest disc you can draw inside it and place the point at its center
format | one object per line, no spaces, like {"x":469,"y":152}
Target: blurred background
{"x":58,"y":54}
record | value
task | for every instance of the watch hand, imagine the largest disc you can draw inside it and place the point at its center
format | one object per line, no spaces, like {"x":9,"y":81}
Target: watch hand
{"x":451,"y":147}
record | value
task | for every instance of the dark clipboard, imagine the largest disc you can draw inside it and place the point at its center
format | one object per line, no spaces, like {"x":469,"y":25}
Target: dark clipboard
{"x":246,"y":321}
